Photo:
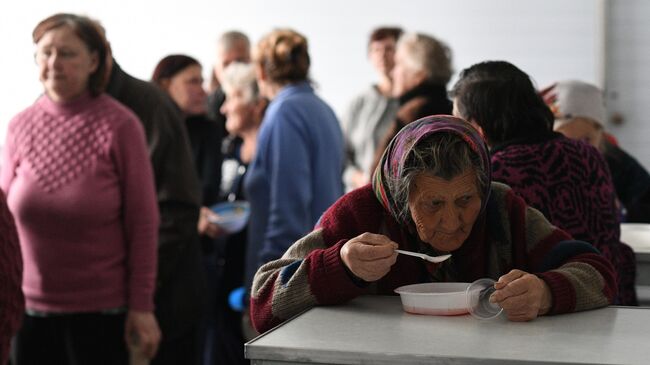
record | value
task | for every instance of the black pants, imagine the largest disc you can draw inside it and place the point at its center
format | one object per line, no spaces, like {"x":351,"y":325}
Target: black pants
{"x":185,"y":350}
{"x":71,"y":339}
{"x":223,"y":341}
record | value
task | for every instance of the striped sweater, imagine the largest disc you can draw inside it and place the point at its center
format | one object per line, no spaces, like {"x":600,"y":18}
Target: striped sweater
{"x":508,"y":235}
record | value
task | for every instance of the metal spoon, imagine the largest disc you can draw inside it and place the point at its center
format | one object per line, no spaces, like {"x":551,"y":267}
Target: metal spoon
{"x":435,"y":259}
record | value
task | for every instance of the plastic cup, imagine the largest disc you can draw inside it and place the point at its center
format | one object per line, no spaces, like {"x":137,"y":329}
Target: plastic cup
{"x":478,"y":299}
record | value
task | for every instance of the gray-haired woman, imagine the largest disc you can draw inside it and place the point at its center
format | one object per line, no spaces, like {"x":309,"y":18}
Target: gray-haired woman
{"x":420,"y":76}
{"x":244,"y":108}
{"x":432,"y":193}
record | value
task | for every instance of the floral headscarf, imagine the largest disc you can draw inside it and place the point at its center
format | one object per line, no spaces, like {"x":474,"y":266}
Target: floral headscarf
{"x":398,"y":150}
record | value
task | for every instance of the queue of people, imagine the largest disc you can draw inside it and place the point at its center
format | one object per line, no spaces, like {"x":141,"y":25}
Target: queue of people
{"x":109,"y":246}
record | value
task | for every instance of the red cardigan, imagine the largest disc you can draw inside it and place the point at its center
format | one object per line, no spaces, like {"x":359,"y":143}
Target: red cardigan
{"x":12,"y":302}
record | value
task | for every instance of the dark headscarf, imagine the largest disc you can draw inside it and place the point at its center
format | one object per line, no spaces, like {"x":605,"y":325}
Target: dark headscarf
{"x":400,"y":147}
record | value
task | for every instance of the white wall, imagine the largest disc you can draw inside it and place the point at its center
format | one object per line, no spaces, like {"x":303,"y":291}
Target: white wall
{"x":628,"y":75}
{"x":550,"y":39}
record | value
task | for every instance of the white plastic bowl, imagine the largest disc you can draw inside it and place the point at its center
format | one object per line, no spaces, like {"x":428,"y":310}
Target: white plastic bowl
{"x":231,"y":216}
{"x":438,"y":299}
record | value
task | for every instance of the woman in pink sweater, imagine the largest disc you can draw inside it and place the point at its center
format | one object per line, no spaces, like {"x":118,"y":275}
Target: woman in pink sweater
{"x":79,"y":183}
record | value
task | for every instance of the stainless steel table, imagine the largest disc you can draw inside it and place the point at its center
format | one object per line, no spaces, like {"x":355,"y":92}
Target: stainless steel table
{"x":375,"y":330}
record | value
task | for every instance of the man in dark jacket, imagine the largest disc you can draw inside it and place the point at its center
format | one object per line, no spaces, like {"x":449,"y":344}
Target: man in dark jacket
{"x":180,"y":282}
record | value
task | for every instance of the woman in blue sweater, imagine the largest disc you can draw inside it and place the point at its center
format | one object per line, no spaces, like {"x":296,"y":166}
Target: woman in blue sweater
{"x":297,"y":170}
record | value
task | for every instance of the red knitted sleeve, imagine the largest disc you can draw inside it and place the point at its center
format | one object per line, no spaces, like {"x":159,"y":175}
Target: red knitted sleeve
{"x":12,"y":303}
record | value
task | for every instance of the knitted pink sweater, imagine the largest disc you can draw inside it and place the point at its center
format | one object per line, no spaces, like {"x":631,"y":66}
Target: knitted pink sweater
{"x":79,"y":183}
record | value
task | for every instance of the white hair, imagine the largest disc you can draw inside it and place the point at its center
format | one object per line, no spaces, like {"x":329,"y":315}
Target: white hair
{"x":239,"y":76}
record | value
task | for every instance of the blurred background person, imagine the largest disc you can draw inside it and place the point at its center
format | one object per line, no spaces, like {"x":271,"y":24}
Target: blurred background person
{"x":244,"y":109}
{"x":232,"y":46}
{"x":180,"y":285}
{"x":296,"y":172}
{"x":371,"y":112}
{"x":180,"y":76}
{"x":567,"y":180}
{"x":420,"y":76}
{"x":78,"y":180}
{"x":580,"y":114}
{"x":12,"y":301}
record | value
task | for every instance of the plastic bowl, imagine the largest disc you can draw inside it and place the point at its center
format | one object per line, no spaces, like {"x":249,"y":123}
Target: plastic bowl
{"x":231,"y":216}
{"x":438,"y":299}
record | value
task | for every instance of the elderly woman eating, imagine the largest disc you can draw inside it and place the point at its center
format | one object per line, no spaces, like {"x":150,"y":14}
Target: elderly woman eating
{"x":432,"y":193}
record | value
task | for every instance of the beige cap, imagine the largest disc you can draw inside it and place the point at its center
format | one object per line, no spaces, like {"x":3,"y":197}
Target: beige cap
{"x":572,"y":99}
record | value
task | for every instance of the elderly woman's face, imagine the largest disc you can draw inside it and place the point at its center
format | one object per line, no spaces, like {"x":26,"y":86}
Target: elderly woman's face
{"x":582,"y":129}
{"x":65,"y":63}
{"x":444,"y":211}
{"x":405,"y":78}
{"x":240,"y":112}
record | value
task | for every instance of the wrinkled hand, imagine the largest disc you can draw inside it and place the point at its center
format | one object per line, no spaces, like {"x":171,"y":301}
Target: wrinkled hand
{"x":142,"y":328}
{"x":522,"y":296}
{"x":369,"y":256}
{"x":207,"y":228}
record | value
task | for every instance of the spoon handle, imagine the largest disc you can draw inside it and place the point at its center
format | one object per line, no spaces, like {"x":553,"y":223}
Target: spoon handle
{"x":411,"y":253}
{"x":426,"y":257}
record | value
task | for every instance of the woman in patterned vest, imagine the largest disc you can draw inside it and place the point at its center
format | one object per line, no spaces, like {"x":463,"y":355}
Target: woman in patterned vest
{"x":567,"y":180}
